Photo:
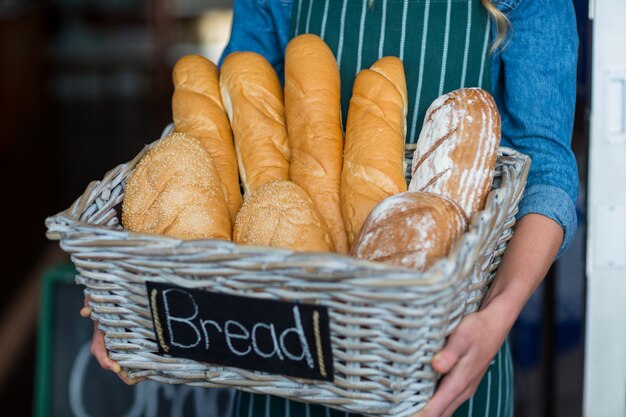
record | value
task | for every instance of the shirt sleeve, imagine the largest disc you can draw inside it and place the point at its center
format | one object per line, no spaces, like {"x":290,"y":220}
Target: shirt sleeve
{"x":260,"y":26}
{"x":534,"y":79}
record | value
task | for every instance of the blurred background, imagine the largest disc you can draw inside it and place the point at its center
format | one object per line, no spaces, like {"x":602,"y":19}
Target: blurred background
{"x":84,"y":84}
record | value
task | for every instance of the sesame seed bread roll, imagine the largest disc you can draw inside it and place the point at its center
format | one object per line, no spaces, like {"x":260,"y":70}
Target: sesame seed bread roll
{"x":457,"y":147}
{"x":281,"y":214}
{"x":373,"y":166}
{"x":313,"y":108}
{"x":197,"y":109}
{"x":411,"y":230}
{"x":253,"y":99}
{"x":175,"y":191}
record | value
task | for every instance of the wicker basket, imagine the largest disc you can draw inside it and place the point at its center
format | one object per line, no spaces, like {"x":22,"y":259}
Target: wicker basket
{"x":386,"y":323}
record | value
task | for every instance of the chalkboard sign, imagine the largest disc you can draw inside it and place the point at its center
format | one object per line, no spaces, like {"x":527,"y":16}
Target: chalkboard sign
{"x":71,"y":383}
{"x":250,"y":333}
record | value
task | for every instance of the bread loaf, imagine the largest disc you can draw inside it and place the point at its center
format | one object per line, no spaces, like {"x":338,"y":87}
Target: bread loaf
{"x":175,"y":190}
{"x":198,"y":110}
{"x":456,"y":150}
{"x":253,"y":99}
{"x":281,"y":214}
{"x":373,"y":167}
{"x":411,"y":229}
{"x":313,"y":109}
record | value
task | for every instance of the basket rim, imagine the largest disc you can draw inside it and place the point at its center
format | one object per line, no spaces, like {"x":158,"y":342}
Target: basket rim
{"x":74,"y":228}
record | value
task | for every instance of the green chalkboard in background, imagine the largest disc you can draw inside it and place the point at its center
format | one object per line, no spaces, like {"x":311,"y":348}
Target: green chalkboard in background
{"x":70,"y":382}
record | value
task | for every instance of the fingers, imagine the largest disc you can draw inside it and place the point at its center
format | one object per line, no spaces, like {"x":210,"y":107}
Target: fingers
{"x":459,"y":382}
{"x":436,"y":411}
{"x":456,"y":347}
{"x":127,"y":380}
{"x":86,"y":310}
{"x":463,"y":362}
{"x":98,"y":350}
{"x":444,"y":361}
{"x":464,"y":396}
{"x":446,"y":406}
{"x":448,"y":394}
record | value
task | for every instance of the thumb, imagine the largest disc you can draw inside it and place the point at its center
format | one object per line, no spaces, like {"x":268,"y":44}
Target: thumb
{"x":456,"y":347}
{"x":86,"y":310}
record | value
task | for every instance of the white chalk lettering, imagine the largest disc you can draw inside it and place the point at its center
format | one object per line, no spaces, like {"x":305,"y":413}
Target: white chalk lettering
{"x":272,"y":331}
{"x":245,"y":335}
{"x":186,"y":320}
{"x":203,"y":324}
{"x":300,"y":332}
{"x":194,"y":324}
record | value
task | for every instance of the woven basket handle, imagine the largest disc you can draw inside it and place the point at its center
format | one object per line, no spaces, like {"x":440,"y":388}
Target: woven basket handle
{"x":520,"y":163}
{"x":513,"y":173}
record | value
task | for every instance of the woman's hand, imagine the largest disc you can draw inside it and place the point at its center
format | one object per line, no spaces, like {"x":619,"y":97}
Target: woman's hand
{"x":474,"y":343}
{"x":463,"y":362}
{"x":98,"y":350}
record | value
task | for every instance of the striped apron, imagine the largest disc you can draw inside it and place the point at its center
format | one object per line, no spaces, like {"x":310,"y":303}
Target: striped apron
{"x":444,"y":45}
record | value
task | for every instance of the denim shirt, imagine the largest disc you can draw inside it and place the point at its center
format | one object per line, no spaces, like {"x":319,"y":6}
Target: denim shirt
{"x":534,"y":85}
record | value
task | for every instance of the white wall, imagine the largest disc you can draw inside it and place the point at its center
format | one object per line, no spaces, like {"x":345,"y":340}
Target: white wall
{"x":605,"y":355}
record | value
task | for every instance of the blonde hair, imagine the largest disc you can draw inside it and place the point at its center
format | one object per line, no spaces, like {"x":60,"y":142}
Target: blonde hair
{"x":502,"y":23}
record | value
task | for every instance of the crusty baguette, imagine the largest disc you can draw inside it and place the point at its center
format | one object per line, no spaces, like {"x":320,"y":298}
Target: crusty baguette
{"x":456,"y":149}
{"x":253,"y":99}
{"x":313,"y":109}
{"x":198,"y":110}
{"x":373,"y":166}
{"x":175,"y":191}
{"x":411,"y":230}
{"x":281,"y":214}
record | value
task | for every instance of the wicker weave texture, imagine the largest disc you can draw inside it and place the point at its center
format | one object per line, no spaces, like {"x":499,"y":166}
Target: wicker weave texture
{"x":386,"y":323}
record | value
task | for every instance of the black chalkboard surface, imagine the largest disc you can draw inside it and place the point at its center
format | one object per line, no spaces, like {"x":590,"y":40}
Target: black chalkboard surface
{"x":71,"y":383}
{"x":272,"y":336}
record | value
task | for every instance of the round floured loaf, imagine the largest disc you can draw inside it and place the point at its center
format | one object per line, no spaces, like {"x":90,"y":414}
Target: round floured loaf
{"x":175,"y":191}
{"x":456,"y":150}
{"x":411,"y":229}
{"x":281,"y":214}
{"x":197,"y":110}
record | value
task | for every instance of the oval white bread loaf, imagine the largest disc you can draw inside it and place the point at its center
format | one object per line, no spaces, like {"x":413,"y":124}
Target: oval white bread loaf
{"x":197,"y":109}
{"x":313,"y":109}
{"x":373,"y":166}
{"x":253,"y":99}
{"x":281,"y":214}
{"x":456,"y":149}
{"x":175,"y":191}
{"x":411,"y":229}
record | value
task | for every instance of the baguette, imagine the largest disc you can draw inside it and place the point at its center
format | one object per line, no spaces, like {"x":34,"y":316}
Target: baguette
{"x":456,"y":149}
{"x":198,"y":110}
{"x":313,"y":109}
{"x":253,"y":99}
{"x":373,"y":167}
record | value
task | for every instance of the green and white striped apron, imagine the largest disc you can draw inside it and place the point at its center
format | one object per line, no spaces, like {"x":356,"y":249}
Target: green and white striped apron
{"x":493,"y":398}
{"x":444,"y":45}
